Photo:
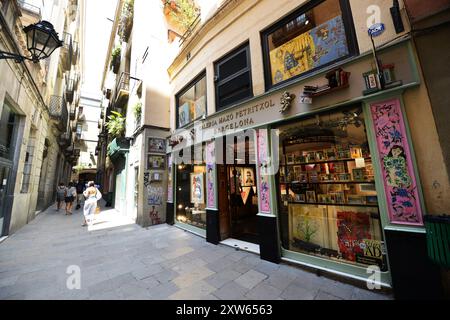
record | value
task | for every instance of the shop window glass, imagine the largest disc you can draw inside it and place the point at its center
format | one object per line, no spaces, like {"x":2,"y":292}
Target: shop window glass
{"x":191,"y":102}
{"x":7,"y":125}
{"x":191,"y":192}
{"x":327,"y":195}
{"x":233,"y":78}
{"x":309,"y":39}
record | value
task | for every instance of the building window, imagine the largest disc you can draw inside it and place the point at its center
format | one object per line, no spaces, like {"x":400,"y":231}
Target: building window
{"x":7,"y":131}
{"x":190,"y":190}
{"x":28,"y":165}
{"x":326,"y":189}
{"x":314,"y":36}
{"x":191,"y":101}
{"x":233,"y":78}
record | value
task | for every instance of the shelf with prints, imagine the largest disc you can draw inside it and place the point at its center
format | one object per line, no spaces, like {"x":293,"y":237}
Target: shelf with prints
{"x":334,"y":204}
{"x":320,"y":162}
{"x":330,"y":182}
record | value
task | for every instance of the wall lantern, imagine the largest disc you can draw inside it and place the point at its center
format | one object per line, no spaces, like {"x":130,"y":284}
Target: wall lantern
{"x":42,"y":41}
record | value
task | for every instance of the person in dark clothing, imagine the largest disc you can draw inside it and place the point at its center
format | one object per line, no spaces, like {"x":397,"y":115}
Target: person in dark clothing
{"x":81,"y":186}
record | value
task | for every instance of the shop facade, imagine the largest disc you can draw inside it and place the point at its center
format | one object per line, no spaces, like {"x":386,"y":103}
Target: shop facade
{"x":312,"y":162}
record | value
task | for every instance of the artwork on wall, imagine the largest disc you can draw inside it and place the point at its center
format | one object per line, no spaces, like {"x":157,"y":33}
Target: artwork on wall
{"x":155,"y":195}
{"x":353,"y":228}
{"x":156,"y":162}
{"x":156,"y":145}
{"x":248,"y":177}
{"x":210,"y":171}
{"x":321,"y":45}
{"x":200,"y":107}
{"x":154,"y":216}
{"x":402,"y":191}
{"x":170,"y":180}
{"x":264,"y":189}
{"x":197,"y":188}
{"x":184,"y":114}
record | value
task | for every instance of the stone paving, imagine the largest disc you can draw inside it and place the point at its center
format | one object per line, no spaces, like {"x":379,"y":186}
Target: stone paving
{"x":158,"y":263}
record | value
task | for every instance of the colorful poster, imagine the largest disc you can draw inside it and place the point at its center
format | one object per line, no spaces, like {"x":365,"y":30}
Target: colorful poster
{"x":353,"y":232}
{"x":396,"y":162}
{"x":321,"y":45}
{"x":155,"y":195}
{"x":170,"y":181}
{"x":211,"y":172}
{"x":156,"y":145}
{"x":264,"y":194}
{"x":197,"y":188}
{"x":184,"y":114}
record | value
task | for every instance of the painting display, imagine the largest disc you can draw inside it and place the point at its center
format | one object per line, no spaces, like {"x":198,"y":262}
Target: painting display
{"x":397,"y":164}
{"x":197,"y":188}
{"x":170,"y":180}
{"x":156,"y":145}
{"x":184,"y":114}
{"x":156,"y":162}
{"x":318,"y":46}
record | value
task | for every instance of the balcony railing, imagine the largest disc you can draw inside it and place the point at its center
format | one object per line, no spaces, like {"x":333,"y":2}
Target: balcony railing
{"x":59,"y":112}
{"x":67,"y":51}
{"x":190,"y":30}
{"x":76,"y":52}
{"x":122,"y":90}
{"x":73,"y":112}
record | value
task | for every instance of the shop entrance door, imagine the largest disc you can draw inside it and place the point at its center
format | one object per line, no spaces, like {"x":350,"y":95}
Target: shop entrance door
{"x":4,"y":180}
{"x":243,"y":202}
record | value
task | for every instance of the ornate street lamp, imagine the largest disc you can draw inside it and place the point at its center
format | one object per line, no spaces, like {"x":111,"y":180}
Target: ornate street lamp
{"x":42,"y":40}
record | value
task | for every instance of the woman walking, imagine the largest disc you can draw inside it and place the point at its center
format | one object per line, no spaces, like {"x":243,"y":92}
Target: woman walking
{"x":61,"y":192}
{"x":92,"y":195}
{"x":70,"y":198}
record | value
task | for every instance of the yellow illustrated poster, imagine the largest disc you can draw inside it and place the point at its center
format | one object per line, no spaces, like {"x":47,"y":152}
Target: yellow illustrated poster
{"x":321,"y":45}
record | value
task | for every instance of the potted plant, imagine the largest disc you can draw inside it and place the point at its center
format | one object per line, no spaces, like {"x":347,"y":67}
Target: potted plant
{"x":181,"y":12}
{"x":115,"y":59}
{"x":116,"y":124}
{"x":137,"y":111}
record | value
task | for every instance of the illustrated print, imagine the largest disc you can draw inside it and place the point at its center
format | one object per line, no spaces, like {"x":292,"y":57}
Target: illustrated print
{"x":396,"y":161}
{"x":197,"y":187}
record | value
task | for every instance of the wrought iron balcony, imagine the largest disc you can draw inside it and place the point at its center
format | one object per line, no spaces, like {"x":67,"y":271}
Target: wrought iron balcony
{"x":122,"y":90}
{"x":66,"y":51}
{"x":59,"y":112}
{"x":73,"y":112}
{"x":72,"y":80}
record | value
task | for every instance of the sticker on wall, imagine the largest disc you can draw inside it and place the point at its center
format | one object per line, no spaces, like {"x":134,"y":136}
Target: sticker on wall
{"x":264,"y":194}
{"x":210,"y":174}
{"x":396,"y":162}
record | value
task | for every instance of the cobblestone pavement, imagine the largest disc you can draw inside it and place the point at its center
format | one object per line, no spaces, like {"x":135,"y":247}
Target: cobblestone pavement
{"x":161,"y":262}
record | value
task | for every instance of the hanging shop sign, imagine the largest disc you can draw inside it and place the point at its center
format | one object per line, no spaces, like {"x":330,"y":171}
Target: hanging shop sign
{"x":402,"y":191}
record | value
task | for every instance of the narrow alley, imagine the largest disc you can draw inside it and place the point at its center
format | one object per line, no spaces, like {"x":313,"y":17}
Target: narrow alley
{"x":161,"y":262}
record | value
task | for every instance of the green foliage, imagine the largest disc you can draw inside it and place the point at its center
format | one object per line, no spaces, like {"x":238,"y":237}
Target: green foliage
{"x":184,"y":13}
{"x":306,"y":229}
{"x":115,"y":55}
{"x":137,"y":110}
{"x":116,"y":124}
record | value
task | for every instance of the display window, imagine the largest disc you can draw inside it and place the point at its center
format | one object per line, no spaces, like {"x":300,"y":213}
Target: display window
{"x":314,"y":36}
{"x":191,"y":101}
{"x":191,"y":192}
{"x":327,"y":193}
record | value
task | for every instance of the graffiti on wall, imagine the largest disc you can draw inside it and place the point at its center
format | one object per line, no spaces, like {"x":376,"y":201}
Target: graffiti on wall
{"x":396,"y":162}
{"x":155,"y":195}
{"x":154,"y":216}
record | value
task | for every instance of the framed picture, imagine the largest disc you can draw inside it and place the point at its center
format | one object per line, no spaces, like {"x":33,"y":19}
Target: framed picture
{"x":311,"y":157}
{"x":354,"y":199}
{"x":356,"y":153}
{"x":320,"y":156}
{"x":156,"y":145}
{"x":330,"y":154}
{"x":156,"y":162}
{"x":184,"y":114}
{"x":300,"y":198}
{"x":310,"y":196}
{"x":340,"y":197}
{"x":200,"y":107}
{"x":358,"y":174}
{"x":290,"y":158}
{"x":248,"y":178}
{"x":197,"y":188}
